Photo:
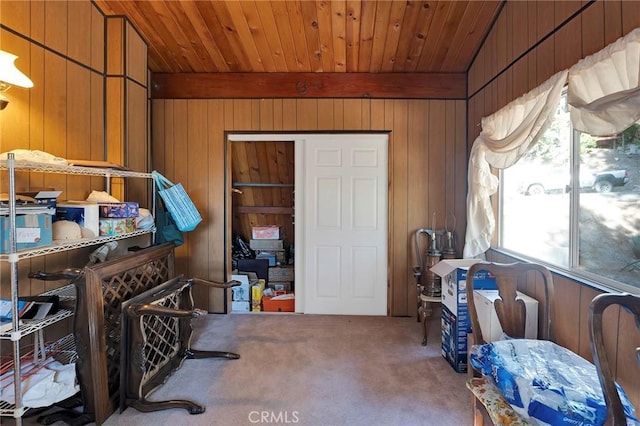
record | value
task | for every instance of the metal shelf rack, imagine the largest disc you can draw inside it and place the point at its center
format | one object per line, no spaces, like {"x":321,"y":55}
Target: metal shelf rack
{"x":63,"y":350}
{"x":18,"y":330}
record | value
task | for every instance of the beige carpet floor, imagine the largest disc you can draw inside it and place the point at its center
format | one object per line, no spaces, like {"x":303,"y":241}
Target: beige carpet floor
{"x":312,"y":370}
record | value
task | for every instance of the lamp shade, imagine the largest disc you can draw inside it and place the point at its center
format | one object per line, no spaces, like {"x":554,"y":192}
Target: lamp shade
{"x":11,"y":75}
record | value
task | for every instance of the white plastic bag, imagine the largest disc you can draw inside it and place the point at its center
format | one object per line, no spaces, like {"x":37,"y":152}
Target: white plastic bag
{"x":546,"y":382}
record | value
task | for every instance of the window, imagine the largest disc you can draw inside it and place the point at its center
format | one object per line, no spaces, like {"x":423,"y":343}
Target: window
{"x":573,"y":201}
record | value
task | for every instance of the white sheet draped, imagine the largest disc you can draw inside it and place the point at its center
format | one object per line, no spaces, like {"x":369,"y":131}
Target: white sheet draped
{"x":604,"y":89}
{"x":506,"y":135}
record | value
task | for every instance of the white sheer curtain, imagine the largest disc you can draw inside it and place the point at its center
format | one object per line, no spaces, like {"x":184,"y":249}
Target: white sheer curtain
{"x":506,"y":135}
{"x":604,"y":90}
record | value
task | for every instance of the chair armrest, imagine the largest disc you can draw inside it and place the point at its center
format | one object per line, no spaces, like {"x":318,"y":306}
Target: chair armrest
{"x":161,"y":311}
{"x":216,"y":284}
{"x":65,"y":274}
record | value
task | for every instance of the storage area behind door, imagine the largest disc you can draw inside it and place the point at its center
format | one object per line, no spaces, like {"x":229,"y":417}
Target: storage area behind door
{"x":263,"y":226}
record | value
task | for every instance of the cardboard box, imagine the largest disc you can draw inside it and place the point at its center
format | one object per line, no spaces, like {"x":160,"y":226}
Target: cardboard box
{"x":44,"y":198}
{"x":268,"y":232}
{"x":454,"y":275}
{"x":259,"y":266}
{"x":276,"y":304}
{"x":281,"y":285}
{"x":454,"y":340}
{"x":32,"y":230}
{"x":119,"y":210}
{"x":276,"y":257}
{"x":266,"y":244}
{"x":237,"y":306}
{"x":111,"y":227}
{"x":269,"y":256}
{"x":455,"y":314}
{"x":282,"y":273}
{"x":83,"y":213}
{"x":242,"y":292}
{"x":488,"y":318}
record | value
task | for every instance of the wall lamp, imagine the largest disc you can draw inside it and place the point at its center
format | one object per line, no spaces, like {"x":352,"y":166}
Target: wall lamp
{"x":10,"y":76}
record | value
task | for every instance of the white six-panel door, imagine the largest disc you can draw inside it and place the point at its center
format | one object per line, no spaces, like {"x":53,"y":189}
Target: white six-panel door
{"x":342,"y":204}
{"x":341,"y":224}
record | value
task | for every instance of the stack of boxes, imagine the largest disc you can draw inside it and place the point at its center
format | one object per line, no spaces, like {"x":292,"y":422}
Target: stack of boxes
{"x":118,"y":218}
{"x":267,"y":243}
{"x":103,"y":219}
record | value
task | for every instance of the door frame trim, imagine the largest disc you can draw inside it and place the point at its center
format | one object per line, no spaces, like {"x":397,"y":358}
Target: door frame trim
{"x":297,"y":138}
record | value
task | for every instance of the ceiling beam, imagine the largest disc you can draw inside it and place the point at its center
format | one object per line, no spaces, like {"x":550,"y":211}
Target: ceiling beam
{"x":309,"y":85}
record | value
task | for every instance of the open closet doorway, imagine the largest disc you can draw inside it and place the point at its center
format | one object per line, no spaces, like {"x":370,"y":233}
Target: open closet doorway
{"x":340,"y":225}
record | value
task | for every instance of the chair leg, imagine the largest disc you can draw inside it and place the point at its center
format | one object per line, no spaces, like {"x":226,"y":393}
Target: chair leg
{"x":423,"y":315}
{"x":478,"y":418}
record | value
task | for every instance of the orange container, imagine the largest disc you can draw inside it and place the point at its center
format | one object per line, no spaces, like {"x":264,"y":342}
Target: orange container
{"x":283,"y":305}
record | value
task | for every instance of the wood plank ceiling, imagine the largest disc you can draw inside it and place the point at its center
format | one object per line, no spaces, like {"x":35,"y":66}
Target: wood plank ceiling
{"x":429,"y":41}
{"x":295,"y":49}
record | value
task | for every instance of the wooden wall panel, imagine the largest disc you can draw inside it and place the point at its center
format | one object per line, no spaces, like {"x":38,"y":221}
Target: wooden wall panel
{"x":136,"y":145}
{"x":135,"y":55}
{"x":115,"y":132}
{"x":115,"y":46}
{"x":592,"y":29}
{"x":57,"y":18}
{"x":180,"y":163}
{"x":416,"y":196}
{"x":79,"y":36}
{"x":421,"y":132}
{"x":612,"y":21}
{"x":436,"y":141}
{"x":36,"y":109}
{"x":629,"y":12}
{"x":16,"y":15}
{"x":599,"y":24}
{"x":37,"y":20}
{"x":78,"y":124}
{"x":400,"y":232}
{"x":198,"y":162}
{"x":97,"y":40}
{"x":97,"y":130}
{"x":63,"y":114}
{"x":55,"y":114}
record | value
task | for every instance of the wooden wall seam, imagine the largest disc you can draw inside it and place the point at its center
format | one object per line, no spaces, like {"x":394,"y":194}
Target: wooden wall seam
{"x":49,"y":49}
{"x":530,"y":49}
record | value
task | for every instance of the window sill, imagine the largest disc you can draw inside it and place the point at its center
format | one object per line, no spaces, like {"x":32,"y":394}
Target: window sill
{"x":603,"y":285}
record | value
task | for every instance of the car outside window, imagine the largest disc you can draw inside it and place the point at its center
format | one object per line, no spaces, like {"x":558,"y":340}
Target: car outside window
{"x":573,"y":202}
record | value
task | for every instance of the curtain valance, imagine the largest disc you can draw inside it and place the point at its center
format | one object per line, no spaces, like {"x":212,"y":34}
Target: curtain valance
{"x":604,"y":89}
{"x":506,"y":135}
